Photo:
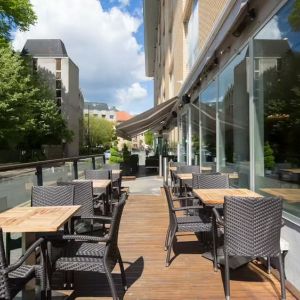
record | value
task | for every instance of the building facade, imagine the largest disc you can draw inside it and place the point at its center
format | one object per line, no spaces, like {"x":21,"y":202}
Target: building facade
{"x":101,"y":110}
{"x":51,"y":59}
{"x":235,"y":66}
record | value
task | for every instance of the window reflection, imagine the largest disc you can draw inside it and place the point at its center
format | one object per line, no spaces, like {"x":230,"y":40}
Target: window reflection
{"x":277,"y":103}
{"x":208,"y":101}
{"x":195,"y":132}
{"x":233,"y":115}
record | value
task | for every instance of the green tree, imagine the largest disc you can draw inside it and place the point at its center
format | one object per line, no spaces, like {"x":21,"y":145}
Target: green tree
{"x":15,"y":14}
{"x":294,"y":17}
{"x":149,"y":138}
{"x":99,"y":131}
{"x":29,"y":116}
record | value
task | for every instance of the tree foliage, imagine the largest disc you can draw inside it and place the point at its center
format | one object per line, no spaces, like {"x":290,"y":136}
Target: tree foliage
{"x":99,"y":131}
{"x":15,"y":14}
{"x":29,"y":116}
{"x":149,"y":138}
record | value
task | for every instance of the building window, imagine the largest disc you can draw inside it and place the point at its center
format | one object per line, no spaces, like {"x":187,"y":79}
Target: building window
{"x":58,"y":84}
{"x":111,"y":116}
{"x":58,"y":101}
{"x":277,"y":108}
{"x":192,"y":36}
{"x":58,"y":93}
{"x":195,"y":132}
{"x":58,"y":64}
{"x":35,"y":64}
{"x":103,"y":116}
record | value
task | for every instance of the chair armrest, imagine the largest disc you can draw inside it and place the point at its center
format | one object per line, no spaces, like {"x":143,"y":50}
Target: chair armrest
{"x":187,"y":207}
{"x":86,"y":238}
{"x":219,"y":220}
{"x":95,"y":217}
{"x":183,"y":198}
{"x":23,"y":258}
{"x":282,"y":222}
{"x":97,"y":196}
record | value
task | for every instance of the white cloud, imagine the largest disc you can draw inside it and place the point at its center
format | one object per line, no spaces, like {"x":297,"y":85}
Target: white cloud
{"x":100,"y":42}
{"x":271,"y":31}
{"x":124,"y":2}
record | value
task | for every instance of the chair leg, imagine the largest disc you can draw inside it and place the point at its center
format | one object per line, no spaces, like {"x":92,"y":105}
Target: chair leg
{"x":269,"y":265}
{"x":170,"y":246}
{"x":282,"y":279}
{"x":215,"y":243}
{"x":167,"y":238}
{"x":227,"y":277}
{"x":111,"y":283}
{"x":123,"y":275}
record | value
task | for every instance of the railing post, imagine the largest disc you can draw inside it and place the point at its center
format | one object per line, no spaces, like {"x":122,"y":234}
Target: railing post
{"x":103,"y":159}
{"x":160,"y":165}
{"x":75,"y":168}
{"x":94,"y":163}
{"x":39,"y":175}
{"x":165,"y":169}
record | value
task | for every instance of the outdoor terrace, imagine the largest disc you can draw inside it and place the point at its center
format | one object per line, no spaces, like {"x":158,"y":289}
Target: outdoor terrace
{"x":189,"y":276}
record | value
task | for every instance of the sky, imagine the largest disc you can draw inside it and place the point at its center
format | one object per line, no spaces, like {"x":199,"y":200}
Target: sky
{"x":105,"y":39}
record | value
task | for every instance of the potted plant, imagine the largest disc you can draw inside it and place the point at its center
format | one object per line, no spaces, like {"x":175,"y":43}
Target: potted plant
{"x":269,"y":158}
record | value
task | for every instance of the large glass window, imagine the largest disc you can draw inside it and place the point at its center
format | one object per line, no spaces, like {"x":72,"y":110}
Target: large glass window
{"x":233,"y":116}
{"x":195,"y":132}
{"x":208,"y":101}
{"x":184,"y":137}
{"x":193,"y":34}
{"x":277,"y":107}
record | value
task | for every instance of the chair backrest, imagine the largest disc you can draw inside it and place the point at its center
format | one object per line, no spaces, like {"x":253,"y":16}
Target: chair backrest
{"x":252,"y":226}
{"x":83,"y":195}
{"x":4,"y":287}
{"x":188,"y":169}
{"x":177,"y":164}
{"x":210,"y":181}
{"x":172,"y":215}
{"x":52,"y":195}
{"x":97,"y":174}
{"x":111,"y":167}
{"x":112,"y":246}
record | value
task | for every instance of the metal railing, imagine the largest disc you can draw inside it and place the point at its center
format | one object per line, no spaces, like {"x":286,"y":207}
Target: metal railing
{"x":39,"y":165}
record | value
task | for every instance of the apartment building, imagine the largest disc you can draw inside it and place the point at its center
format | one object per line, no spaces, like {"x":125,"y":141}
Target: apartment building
{"x":235,"y":67}
{"x":51,"y":59}
{"x":101,"y":110}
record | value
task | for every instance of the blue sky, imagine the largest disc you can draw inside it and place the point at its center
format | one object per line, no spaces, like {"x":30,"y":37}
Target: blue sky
{"x":106,"y":41}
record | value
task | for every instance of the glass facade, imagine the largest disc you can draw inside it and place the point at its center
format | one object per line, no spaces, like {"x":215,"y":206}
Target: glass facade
{"x":247,"y":119}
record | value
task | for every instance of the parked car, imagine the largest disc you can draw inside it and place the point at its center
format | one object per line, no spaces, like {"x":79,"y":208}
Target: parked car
{"x":107,"y":154}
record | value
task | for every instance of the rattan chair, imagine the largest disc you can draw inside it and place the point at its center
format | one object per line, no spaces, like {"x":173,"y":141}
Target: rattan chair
{"x":210,"y":181}
{"x":14,"y":277}
{"x":116,"y":178}
{"x":188,"y":169}
{"x":98,"y":174}
{"x":111,"y":167}
{"x":196,"y":224}
{"x":93,"y":254}
{"x":177,"y":164}
{"x":83,"y":196}
{"x":252,"y":229}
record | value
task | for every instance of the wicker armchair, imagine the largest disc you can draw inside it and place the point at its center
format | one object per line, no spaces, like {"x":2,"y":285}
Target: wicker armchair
{"x":83,"y":196}
{"x":252,"y":228}
{"x":111,"y":167}
{"x":200,"y":223}
{"x":14,"y":277}
{"x":116,"y":178}
{"x":98,"y":174}
{"x":210,"y":181}
{"x":188,"y":169}
{"x":93,"y":254}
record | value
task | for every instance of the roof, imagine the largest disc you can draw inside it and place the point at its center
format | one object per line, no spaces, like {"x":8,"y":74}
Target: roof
{"x":45,"y":48}
{"x":122,"y":116}
{"x":96,"y":105}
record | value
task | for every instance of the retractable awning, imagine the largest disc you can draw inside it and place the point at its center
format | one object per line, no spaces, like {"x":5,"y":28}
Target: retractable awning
{"x":153,"y":119}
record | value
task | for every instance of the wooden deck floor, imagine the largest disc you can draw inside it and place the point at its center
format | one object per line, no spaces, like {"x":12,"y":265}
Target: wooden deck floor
{"x":189,"y":276}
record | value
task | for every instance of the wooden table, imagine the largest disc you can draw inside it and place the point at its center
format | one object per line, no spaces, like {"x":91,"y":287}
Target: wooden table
{"x":290,"y":195}
{"x":294,"y":171}
{"x":189,"y":176}
{"x":216,"y":196}
{"x":36,"y":219}
{"x":202,"y":168}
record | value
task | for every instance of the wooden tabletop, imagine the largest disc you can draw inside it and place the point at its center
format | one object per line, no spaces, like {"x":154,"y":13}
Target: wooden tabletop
{"x":216,"y":196}
{"x":36,"y":219}
{"x":295,"y":171}
{"x":291,"y":195}
{"x":189,"y":176}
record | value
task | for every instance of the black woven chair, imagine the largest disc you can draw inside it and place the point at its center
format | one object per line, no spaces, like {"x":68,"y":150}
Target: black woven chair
{"x":210,"y":181}
{"x":14,"y":277}
{"x":199,"y":223}
{"x":93,"y":254}
{"x":98,"y":174}
{"x":111,"y":167}
{"x":116,"y":178}
{"x":252,"y":229}
{"x":177,"y":164}
{"x":188,"y":169}
{"x":83,"y":196}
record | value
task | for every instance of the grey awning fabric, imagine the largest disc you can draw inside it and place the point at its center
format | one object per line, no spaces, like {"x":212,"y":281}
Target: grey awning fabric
{"x":153,"y":119}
